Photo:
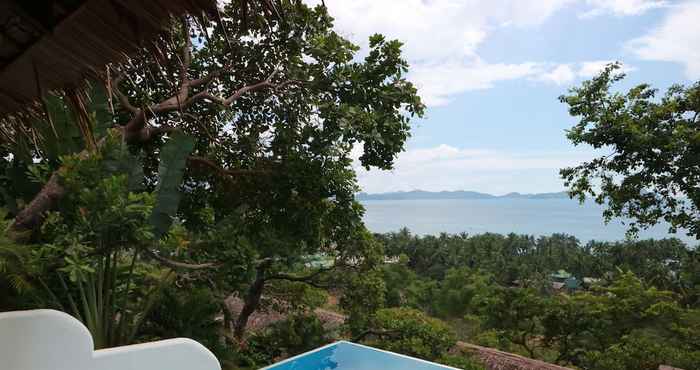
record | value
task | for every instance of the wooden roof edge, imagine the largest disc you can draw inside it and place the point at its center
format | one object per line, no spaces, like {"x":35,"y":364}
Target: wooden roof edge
{"x":82,"y":44}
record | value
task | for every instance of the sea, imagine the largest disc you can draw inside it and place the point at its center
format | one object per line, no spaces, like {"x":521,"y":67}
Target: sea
{"x":535,"y":217}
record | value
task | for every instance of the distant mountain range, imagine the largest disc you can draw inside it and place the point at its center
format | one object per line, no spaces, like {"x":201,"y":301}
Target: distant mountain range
{"x":460,"y":194}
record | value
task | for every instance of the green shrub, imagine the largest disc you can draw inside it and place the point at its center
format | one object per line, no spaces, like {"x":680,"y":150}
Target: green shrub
{"x":411,"y":332}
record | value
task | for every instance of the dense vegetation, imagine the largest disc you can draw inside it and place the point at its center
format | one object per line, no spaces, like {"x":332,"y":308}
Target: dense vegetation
{"x":639,"y":307}
{"x":214,"y":163}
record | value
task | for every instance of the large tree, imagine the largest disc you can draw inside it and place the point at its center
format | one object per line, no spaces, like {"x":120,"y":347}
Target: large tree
{"x":652,"y":170}
{"x":239,"y":129}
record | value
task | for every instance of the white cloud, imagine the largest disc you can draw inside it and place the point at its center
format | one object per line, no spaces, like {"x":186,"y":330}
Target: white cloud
{"x":442,"y":36}
{"x":676,"y":39}
{"x":621,"y":7}
{"x":529,"y":12}
{"x":436,"y":29}
{"x":438,"y":83}
{"x":592,"y":68}
{"x":562,"y":74}
{"x":445,"y":167}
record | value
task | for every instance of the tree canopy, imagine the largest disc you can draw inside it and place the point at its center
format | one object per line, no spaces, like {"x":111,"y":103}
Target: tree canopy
{"x":219,"y":159}
{"x":652,"y":171}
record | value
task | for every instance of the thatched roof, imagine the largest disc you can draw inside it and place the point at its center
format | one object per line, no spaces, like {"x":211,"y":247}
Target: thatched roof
{"x":494,"y":359}
{"x":55,"y":44}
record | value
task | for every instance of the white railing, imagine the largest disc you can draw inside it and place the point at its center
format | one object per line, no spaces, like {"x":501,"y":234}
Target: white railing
{"x":53,"y":340}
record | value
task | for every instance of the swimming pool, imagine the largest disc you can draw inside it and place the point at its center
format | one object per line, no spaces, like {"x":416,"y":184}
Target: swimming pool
{"x":350,"y":356}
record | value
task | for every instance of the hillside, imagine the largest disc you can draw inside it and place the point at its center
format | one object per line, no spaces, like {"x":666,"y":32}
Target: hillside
{"x":459,"y":194}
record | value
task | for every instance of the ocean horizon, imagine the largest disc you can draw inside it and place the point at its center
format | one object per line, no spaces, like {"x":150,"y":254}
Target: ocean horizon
{"x":536,"y":217}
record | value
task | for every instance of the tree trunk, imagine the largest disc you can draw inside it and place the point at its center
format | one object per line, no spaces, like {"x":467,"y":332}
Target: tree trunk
{"x":250,"y":303}
{"x":33,"y":215}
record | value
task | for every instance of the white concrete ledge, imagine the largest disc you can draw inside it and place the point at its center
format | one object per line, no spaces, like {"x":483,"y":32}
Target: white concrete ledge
{"x":53,"y":340}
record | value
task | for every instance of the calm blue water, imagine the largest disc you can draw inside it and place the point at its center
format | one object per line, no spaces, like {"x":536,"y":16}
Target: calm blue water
{"x":521,"y":216}
{"x":350,"y":356}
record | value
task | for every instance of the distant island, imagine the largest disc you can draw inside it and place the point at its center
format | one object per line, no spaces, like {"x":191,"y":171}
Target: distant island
{"x":459,"y":194}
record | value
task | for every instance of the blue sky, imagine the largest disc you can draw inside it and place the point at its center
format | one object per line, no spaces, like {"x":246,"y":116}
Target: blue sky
{"x":490,"y":72}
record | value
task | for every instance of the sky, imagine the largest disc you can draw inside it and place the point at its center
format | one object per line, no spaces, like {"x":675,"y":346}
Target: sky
{"x":490,"y":73}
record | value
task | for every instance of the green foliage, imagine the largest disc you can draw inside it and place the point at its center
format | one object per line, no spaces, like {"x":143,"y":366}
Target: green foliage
{"x":461,"y":291}
{"x":515,"y":313}
{"x":295,"y":296}
{"x":462,"y":362}
{"x":299,"y":332}
{"x":296,"y":334}
{"x":641,"y":352}
{"x":521,"y":260}
{"x":363,"y":297}
{"x":411,"y":332}
{"x":651,"y":173}
{"x":496,"y":291}
{"x":508,"y":258}
{"x":286,"y":181}
{"x":274,"y":185}
{"x":87,"y":258}
{"x":192,"y":315}
{"x":111,"y":321}
{"x":98,"y":208}
{"x":15,"y":284}
{"x":404,"y":288}
{"x":171,"y":168}
{"x":34,"y":150}
{"x":588,"y":325}
{"x":397,"y":277}
{"x":90,"y":253}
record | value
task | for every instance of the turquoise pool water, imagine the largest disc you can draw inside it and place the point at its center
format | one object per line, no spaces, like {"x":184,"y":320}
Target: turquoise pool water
{"x":351,"y":356}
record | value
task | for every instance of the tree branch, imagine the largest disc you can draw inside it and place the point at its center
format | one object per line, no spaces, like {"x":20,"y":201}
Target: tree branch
{"x":208,"y":78}
{"x":238,"y":93}
{"x":265,"y":84}
{"x":303,"y":279}
{"x":182,"y":100}
{"x":33,"y":215}
{"x":152,"y":131}
{"x":205,"y":162}
{"x":179,"y":265}
{"x":136,"y":129}
{"x":123,"y":99}
{"x":186,"y":54}
{"x":379,"y":333}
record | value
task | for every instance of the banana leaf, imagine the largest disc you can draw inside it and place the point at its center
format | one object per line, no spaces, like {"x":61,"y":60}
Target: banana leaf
{"x":173,"y":159}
